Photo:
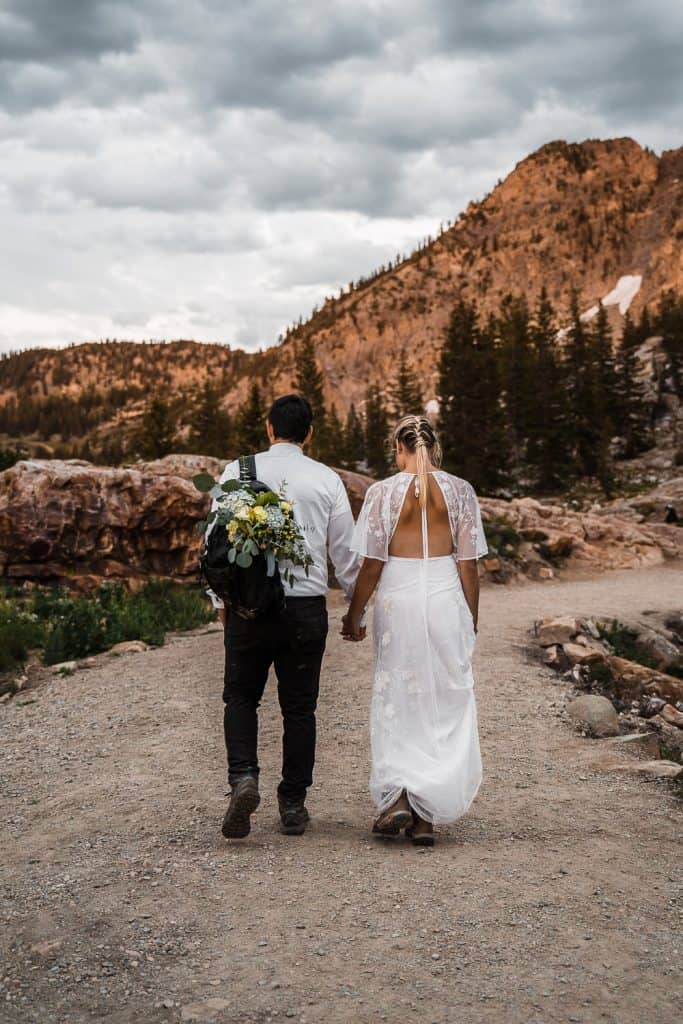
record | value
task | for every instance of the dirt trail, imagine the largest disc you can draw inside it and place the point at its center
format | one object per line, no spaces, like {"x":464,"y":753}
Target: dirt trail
{"x":553,"y":900}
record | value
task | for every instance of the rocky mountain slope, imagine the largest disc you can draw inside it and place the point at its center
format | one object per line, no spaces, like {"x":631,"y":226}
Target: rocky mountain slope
{"x":601,"y":217}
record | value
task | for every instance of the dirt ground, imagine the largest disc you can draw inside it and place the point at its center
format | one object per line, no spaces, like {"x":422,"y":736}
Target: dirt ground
{"x":554,"y":899}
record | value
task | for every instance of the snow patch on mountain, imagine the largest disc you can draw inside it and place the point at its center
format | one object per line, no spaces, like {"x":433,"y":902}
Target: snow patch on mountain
{"x":625,"y":292}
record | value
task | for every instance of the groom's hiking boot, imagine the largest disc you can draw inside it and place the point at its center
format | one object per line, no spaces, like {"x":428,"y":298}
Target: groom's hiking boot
{"x":244,"y":799}
{"x":293,"y":817}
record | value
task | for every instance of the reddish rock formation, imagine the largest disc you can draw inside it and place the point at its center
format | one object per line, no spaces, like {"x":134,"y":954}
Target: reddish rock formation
{"x":71,"y":520}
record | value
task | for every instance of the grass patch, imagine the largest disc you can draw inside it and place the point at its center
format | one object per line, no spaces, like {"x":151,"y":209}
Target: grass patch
{"x":67,"y":626}
{"x":624,"y":643}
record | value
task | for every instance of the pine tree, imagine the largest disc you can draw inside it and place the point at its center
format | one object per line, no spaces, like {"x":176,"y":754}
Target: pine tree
{"x":210,"y":426}
{"x":605,"y":372}
{"x":633,"y":412}
{"x":309,"y":383}
{"x":548,"y":450}
{"x":336,"y":446}
{"x":405,"y":395}
{"x":156,"y":435}
{"x":589,"y":424}
{"x":376,"y":432}
{"x":354,"y":440}
{"x":516,"y":369}
{"x":471,"y":419}
{"x":669,"y":323}
{"x":251,"y":423}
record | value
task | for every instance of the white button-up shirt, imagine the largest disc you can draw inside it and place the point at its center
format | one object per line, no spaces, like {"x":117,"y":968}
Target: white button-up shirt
{"x":322,"y":510}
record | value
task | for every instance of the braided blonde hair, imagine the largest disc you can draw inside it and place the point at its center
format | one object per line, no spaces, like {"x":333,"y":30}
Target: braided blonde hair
{"x":417,"y":434}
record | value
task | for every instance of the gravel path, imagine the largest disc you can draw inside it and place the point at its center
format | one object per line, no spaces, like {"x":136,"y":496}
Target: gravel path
{"x":553,"y":900}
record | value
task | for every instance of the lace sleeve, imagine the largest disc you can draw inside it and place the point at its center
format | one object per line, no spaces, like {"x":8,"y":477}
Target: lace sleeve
{"x":371,"y":535}
{"x":470,"y":540}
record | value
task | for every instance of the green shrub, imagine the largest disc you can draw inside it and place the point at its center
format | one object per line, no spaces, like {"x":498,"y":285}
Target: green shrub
{"x":20,"y":631}
{"x":502,"y":538}
{"x":68,"y":627}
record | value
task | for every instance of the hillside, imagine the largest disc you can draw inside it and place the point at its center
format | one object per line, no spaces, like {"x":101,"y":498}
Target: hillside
{"x":601,"y":217}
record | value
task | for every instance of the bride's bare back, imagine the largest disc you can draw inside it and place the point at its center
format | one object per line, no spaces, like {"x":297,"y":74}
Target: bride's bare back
{"x":407,"y":539}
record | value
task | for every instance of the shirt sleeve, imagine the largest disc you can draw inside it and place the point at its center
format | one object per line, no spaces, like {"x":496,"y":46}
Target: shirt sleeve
{"x":470,"y":539}
{"x":339,"y":534}
{"x":370,"y":536}
{"x":231,"y":472}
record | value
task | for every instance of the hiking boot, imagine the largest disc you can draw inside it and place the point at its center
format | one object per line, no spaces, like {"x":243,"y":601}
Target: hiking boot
{"x":244,"y":799}
{"x":293,"y":817}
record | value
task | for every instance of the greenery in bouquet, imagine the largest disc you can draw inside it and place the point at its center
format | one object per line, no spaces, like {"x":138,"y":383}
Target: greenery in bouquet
{"x":257,"y":523}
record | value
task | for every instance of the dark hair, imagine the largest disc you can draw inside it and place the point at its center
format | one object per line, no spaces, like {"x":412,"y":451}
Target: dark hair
{"x":291,"y":417}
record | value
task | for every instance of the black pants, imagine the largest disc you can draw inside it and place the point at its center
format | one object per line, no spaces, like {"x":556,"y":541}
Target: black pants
{"x":293,"y":640}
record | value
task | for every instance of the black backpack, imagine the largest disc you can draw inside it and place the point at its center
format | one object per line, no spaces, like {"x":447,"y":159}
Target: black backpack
{"x":249,"y":592}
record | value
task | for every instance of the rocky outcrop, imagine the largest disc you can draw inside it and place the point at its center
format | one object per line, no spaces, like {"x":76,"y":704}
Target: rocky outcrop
{"x":75,"y":522}
{"x":71,"y":520}
{"x":526,"y":535}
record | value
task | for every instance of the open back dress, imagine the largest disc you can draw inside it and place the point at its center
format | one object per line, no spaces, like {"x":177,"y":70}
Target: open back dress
{"x":423,"y":716}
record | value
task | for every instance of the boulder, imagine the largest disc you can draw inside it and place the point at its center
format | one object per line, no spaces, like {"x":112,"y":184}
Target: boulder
{"x":658,"y":648}
{"x":670,"y":735}
{"x":651,"y":770}
{"x":672,"y":715}
{"x":640,"y":743}
{"x":632,"y":681}
{"x":556,"y":630}
{"x":582,"y":654}
{"x":64,"y":668}
{"x":127,"y":647}
{"x":594,"y":714}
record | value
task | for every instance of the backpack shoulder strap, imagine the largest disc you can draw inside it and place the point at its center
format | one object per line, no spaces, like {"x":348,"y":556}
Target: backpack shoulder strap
{"x":247,"y":468}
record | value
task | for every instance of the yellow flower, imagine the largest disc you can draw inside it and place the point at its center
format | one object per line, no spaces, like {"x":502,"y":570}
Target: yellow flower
{"x":285,"y":506}
{"x":243,"y":512}
{"x":232,"y":528}
{"x":258,"y":514}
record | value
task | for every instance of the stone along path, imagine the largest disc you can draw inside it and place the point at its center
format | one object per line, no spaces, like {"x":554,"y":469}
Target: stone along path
{"x":555,"y":899}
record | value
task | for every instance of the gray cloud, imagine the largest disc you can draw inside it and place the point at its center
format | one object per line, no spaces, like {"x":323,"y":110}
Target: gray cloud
{"x":215,"y":169}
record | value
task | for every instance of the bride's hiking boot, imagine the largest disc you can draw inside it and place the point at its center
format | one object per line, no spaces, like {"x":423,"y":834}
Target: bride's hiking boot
{"x":395,"y":818}
{"x":421,"y":832}
{"x":293,"y":817}
{"x":244,"y":799}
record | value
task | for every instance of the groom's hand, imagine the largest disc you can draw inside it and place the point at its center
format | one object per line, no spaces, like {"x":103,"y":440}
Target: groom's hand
{"x":351,"y":630}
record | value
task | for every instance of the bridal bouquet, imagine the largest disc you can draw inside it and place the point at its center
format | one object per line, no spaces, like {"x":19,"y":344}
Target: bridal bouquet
{"x":256,"y":523}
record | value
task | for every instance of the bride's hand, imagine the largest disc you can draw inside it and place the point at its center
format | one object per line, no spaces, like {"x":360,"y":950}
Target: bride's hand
{"x":352,"y":630}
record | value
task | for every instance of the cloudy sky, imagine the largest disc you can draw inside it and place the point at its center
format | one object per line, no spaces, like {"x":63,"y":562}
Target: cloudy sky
{"x":211,"y":168}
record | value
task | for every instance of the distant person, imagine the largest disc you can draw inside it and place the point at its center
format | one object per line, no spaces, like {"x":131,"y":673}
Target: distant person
{"x":420,"y":535}
{"x":671,"y":515}
{"x":293,"y":639}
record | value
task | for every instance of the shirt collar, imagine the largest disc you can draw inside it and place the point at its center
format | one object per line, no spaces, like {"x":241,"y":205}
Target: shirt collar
{"x":285,"y":448}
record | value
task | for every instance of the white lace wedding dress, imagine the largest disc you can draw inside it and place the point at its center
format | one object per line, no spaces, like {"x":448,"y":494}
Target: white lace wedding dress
{"x":423,"y":717}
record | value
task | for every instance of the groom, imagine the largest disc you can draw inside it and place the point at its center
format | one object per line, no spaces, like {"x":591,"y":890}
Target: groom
{"x":292,"y":640}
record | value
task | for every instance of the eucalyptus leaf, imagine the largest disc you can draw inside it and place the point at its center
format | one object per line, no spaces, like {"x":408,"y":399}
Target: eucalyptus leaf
{"x":203,"y":482}
{"x":270,"y":563}
{"x":244,"y":560}
{"x":232,"y":554}
{"x":200,"y":527}
{"x":211,"y":516}
{"x":216,"y":491}
{"x":230,"y":485}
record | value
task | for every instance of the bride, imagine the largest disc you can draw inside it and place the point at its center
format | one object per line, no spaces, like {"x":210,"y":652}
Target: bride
{"x":420,"y":534}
